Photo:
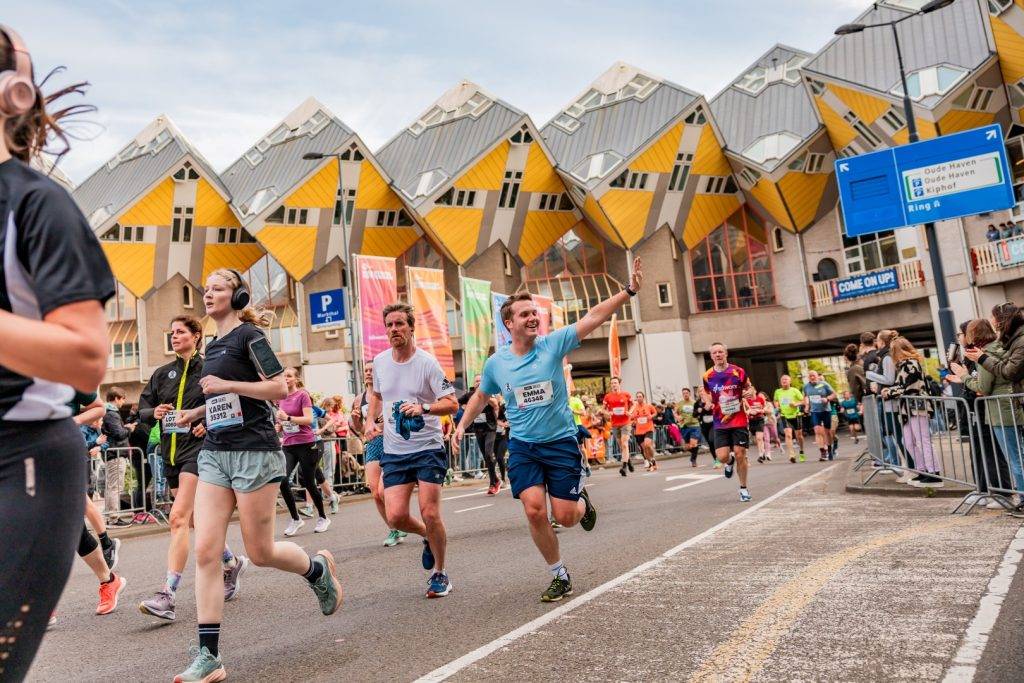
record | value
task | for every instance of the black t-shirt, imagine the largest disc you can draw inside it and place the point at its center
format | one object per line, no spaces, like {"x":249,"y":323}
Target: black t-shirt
{"x":486,"y":420}
{"x":49,"y":258}
{"x":229,"y":359}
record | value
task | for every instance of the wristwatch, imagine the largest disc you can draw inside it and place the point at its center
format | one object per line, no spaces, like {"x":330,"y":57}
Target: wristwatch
{"x":631,"y":292}
{"x":426,"y":408}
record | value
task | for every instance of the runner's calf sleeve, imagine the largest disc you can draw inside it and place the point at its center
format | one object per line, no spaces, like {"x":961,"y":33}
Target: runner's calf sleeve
{"x":86,"y":543}
{"x":42,"y":476}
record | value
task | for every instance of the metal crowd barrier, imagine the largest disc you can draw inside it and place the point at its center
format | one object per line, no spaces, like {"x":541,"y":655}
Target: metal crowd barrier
{"x":127,"y":470}
{"x":932,"y":437}
{"x":999,"y":427}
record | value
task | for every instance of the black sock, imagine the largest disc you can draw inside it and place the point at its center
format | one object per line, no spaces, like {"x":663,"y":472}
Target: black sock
{"x":105,"y":541}
{"x":209,"y":637}
{"x":316,"y":570}
{"x":112,"y":577}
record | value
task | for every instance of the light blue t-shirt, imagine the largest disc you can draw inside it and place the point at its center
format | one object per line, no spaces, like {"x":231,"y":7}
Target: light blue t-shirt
{"x":817,"y":395}
{"x":533,"y":386}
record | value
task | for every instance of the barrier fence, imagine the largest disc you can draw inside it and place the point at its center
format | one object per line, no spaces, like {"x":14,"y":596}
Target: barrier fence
{"x":999,"y":421}
{"x":123,"y":478}
{"x":938,"y":441}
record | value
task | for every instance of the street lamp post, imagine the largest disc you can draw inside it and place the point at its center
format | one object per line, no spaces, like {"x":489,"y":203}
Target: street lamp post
{"x":945,"y":312}
{"x":349,"y":301}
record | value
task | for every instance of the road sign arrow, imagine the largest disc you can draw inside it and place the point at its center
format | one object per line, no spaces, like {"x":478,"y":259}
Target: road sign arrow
{"x":844,"y":167}
{"x":990,"y":135}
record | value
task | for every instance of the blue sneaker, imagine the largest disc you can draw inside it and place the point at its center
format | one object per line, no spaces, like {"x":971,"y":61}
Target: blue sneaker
{"x":744,"y":496}
{"x":440,"y":585}
{"x":729,"y":468}
{"x":428,"y":557}
{"x":205,"y":667}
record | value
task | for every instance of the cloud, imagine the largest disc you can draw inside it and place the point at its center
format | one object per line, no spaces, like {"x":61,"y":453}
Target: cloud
{"x":227,"y":72}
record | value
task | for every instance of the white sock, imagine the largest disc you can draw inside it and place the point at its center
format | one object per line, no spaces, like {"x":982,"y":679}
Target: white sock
{"x":558,"y":571}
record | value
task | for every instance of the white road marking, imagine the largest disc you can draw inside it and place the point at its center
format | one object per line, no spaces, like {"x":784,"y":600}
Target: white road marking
{"x":478,"y":507}
{"x":965,"y":663}
{"x":467,"y":495}
{"x":695,"y":479}
{"x":450,"y":669}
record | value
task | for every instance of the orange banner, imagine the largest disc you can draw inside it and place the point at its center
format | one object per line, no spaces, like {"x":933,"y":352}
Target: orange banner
{"x":614,"y":354}
{"x":427,"y":297}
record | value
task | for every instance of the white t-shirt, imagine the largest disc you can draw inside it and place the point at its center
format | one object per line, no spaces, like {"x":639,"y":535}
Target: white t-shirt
{"x":418,"y":380}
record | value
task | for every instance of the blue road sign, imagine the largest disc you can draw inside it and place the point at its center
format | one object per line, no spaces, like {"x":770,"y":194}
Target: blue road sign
{"x":955,"y":175}
{"x":326,"y":309}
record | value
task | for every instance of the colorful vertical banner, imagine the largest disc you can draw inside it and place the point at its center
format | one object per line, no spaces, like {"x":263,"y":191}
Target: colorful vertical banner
{"x":476,"y":324}
{"x":378,"y":287}
{"x":544,"y":305}
{"x":614,"y":354}
{"x":427,"y":297}
{"x":502,"y":337}
{"x":557,"y":317}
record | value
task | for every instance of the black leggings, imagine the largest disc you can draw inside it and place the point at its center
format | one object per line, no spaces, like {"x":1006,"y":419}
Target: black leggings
{"x":86,"y":542}
{"x":306,"y":456}
{"x":485,"y":441}
{"x":500,"y":447}
{"x":42,"y":476}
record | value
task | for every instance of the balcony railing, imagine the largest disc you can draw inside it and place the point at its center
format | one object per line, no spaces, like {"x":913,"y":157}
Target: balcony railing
{"x":904,"y":275}
{"x":992,"y":257}
{"x":577,"y":294}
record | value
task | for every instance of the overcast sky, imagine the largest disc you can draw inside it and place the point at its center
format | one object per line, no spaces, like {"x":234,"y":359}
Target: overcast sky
{"x":226,"y":72}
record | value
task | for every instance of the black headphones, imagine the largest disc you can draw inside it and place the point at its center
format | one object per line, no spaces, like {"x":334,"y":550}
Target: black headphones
{"x":240,"y":298}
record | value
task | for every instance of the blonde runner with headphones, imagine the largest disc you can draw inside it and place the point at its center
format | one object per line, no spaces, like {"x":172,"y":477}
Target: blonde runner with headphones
{"x":241,"y":464}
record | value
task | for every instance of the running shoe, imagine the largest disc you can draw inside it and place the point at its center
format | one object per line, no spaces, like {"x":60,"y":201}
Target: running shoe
{"x":232,"y":575}
{"x":112,"y":554}
{"x":394,"y":538}
{"x":327,"y":587}
{"x":768,"y":457}
{"x":52,"y":622}
{"x":589,"y":518}
{"x":792,"y":459}
{"x":493,"y":489}
{"x":428,"y":557}
{"x":629,"y":464}
{"x":322,"y":525}
{"x":760,"y":458}
{"x":306,"y":510}
{"x":109,"y":593}
{"x":440,"y":585}
{"x":718,"y":463}
{"x":293,"y":527}
{"x":729,"y":468}
{"x":555,"y":525}
{"x":205,"y":668}
{"x":160,"y":605}
{"x":334,"y":503}
{"x":622,"y":470}
{"x":558,"y":589}
{"x":803,"y":457}
{"x":744,"y":496}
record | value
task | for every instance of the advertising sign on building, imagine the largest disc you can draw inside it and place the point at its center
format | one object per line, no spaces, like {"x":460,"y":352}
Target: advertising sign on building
{"x":874,"y":282}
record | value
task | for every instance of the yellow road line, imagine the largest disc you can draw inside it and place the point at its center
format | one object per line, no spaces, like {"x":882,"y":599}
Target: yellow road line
{"x":742,"y":656}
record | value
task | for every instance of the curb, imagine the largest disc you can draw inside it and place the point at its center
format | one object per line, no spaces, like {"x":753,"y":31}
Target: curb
{"x":902,"y":490}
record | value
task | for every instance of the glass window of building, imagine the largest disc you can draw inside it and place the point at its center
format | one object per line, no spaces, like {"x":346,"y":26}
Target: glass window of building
{"x":732,"y":266}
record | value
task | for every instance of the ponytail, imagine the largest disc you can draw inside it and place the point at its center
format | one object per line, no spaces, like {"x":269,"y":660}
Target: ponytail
{"x":26,"y":135}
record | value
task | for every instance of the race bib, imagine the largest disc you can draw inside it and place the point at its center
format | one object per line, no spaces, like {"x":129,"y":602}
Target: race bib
{"x":688,"y":409}
{"x":709,"y":419}
{"x":729,"y":406}
{"x":223,"y":411}
{"x":618,"y":410}
{"x":851,"y":411}
{"x":168,"y":424}
{"x":816,"y":400}
{"x":641,"y":420}
{"x":480,"y":419}
{"x":785,"y":401}
{"x":536,"y":394}
{"x":289,"y":428}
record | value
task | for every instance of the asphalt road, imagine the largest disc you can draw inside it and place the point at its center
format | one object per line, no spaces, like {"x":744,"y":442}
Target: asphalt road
{"x":387,"y":629}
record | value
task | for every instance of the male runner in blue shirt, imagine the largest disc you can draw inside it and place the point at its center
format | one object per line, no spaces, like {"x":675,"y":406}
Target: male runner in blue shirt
{"x":544,"y":458}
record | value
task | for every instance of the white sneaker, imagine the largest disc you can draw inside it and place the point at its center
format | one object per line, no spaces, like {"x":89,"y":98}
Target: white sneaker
{"x":321,"y":525}
{"x":993,"y":504}
{"x":293,"y":527}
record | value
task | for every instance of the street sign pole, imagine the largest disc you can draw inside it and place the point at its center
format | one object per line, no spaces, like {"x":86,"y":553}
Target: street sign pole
{"x":945,"y":312}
